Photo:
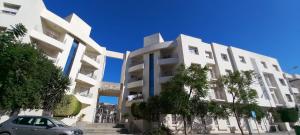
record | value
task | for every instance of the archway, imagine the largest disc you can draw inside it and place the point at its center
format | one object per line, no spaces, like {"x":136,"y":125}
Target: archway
{"x":109,"y":94}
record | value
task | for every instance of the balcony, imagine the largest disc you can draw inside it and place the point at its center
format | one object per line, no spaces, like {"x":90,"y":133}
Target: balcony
{"x":134,"y":99}
{"x":86,"y":59}
{"x":164,"y":79}
{"x":91,"y":53}
{"x":52,"y":30}
{"x":53,"y":59}
{"x":134,"y":84}
{"x":86,"y":79}
{"x":168,"y":61}
{"x":136,"y":67}
{"x":218,"y":95}
{"x":86,"y":99}
{"x":47,"y":40}
{"x":137,"y":60}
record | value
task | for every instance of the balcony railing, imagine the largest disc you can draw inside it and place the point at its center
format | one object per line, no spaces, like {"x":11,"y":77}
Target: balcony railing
{"x":52,"y":34}
{"x":134,"y":63}
{"x":134,"y":97}
{"x":134,"y":84}
{"x":167,"y":73}
{"x":52,"y":59}
{"x":92,"y":56}
{"x":89,"y":95}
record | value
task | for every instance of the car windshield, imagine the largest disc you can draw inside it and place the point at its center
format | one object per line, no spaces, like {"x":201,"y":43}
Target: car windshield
{"x":59,"y":123}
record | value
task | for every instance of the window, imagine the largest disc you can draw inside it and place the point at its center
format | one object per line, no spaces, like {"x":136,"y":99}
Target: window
{"x":282,"y":82}
{"x":193,"y":50}
{"x":174,"y":119}
{"x":216,"y":121}
{"x":10,"y":9}
{"x":211,"y":72}
{"x":224,"y":57}
{"x":43,"y":122}
{"x":242,"y":59}
{"x":228,"y":71}
{"x":274,"y":98}
{"x":264,"y":64}
{"x":208,"y":55}
{"x":227,"y":121}
{"x":2,"y":28}
{"x":289,"y":98}
{"x":276,"y":67}
{"x":24,"y":120}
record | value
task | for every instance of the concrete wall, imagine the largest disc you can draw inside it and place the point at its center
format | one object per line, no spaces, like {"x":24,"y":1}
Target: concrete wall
{"x":237,"y":59}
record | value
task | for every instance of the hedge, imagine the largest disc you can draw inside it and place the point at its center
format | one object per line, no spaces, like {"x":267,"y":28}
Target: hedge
{"x":288,"y":114}
{"x":138,"y":110}
{"x":69,"y":106}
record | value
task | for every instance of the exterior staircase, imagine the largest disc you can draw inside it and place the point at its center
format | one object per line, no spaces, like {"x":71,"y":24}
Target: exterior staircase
{"x":103,"y":129}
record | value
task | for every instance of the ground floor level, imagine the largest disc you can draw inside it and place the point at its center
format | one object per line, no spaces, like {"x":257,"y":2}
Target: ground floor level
{"x":212,"y":125}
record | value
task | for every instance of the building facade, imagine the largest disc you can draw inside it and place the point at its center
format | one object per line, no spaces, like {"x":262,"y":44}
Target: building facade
{"x":294,"y":83}
{"x":150,"y":67}
{"x":67,"y":42}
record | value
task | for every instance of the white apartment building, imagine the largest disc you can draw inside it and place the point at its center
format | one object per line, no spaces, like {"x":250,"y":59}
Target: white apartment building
{"x":150,"y":67}
{"x":66,"y":41}
{"x":294,"y":83}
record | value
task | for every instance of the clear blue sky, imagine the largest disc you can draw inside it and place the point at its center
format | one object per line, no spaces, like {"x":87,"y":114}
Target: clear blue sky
{"x":269,"y":27}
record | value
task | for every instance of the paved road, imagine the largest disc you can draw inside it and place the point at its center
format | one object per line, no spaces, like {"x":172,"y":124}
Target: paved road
{"x":277,"y":133}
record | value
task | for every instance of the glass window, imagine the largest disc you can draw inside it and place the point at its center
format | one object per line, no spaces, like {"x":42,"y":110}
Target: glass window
{"x":242,"y":59}
{"x":228,"y":71}
{"x":216,"y":121}
{"x":289,"y":98}
{"x":227,"y":121}
{"x":282,"y":82}
{"x":43,"y":122}
{"x":24,"y":120}
{"x":211,"y":72}
{"x":276,"y":67}
{"x":59,"y":123}
{"x":174,"y":119}
{"x":10,"y":9}
{"x":193,"y":50}
{"x":224,"y":57}
{"x":208,"y":54}
{"x":264,"y":64}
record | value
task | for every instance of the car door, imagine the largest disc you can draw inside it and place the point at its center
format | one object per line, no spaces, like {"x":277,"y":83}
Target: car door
{"x":22,"y":126}
{"x":42,"y":126}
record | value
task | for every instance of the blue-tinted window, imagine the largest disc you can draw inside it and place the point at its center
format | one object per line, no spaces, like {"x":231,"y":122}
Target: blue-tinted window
{"x":151,"y":75}
{"x":71,"y":57}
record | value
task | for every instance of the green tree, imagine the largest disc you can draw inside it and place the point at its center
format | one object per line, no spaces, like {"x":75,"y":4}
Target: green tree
{"x":26,"y":75}
{"x":238,"y":84}
{"x":53,"y":90}
{"x":218,"y":110}
{"x":188,"y":85}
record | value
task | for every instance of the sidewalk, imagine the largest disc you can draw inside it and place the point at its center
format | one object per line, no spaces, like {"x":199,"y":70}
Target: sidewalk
{"x":275,"y":133}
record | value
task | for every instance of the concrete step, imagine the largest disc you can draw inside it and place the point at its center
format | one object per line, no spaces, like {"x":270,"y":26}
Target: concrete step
{"x":103,"y":129}
{"x":106,"y":134}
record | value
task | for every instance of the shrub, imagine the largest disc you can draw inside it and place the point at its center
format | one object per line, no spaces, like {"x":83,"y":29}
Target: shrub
{"x":137,"y":110}
{"x":69,"y":106}
{"x":288,"y":114}
{"x":159,"y":131}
